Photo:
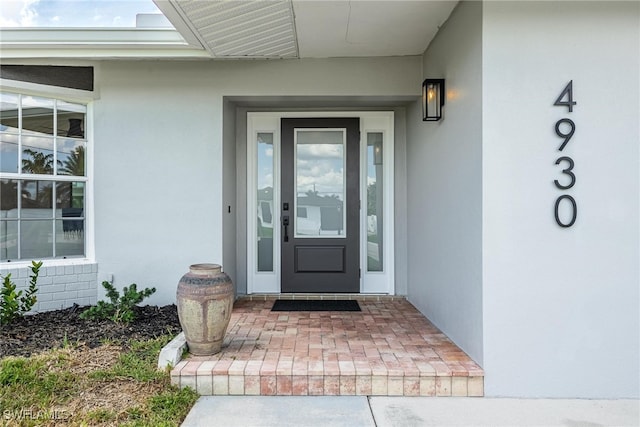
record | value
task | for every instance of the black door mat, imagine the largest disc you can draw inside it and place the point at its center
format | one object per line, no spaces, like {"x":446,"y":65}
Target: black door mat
{"x":315,"y":305}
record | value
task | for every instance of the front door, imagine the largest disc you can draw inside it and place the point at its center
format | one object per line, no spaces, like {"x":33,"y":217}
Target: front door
{"x":320,"y":205}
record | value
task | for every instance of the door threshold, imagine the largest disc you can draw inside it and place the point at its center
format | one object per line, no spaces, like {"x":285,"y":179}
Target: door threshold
{"x":321,"y":296}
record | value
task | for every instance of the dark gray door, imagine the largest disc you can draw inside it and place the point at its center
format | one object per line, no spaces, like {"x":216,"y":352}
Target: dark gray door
{"x":320,"y":205}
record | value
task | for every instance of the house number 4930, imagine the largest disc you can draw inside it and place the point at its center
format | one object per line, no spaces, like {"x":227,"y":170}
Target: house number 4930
{"x":565,"y":128}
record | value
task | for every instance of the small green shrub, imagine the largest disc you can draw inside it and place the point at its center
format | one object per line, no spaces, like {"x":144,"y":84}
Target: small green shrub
{"x":14,"y":304}
{"x":120,"y":308}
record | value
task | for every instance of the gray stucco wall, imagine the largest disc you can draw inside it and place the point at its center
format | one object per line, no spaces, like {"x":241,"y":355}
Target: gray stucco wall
{"x":444,"y":175}
{"x":561,"y":305}
{"x":164,"y":146}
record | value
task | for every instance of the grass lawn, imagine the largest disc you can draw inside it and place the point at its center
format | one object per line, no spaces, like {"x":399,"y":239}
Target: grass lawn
{"x":78,"y":386}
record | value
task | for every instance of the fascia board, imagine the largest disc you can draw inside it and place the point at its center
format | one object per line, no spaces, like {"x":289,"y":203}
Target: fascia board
{"x":106,"y":52}
{"x":95,"y":43}
{"x":62,"y":36}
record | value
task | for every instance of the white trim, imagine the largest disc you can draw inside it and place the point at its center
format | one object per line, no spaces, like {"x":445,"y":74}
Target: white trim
{"x":379,"y":281}
{"x":57,"y":92}
{"x":71,"y":95}
{"x":53,"y":38}
{"x":89,"y":215}
{"x":47,"y":262}
{"x":96,"y":43}
{"x":370,"y":121}
{"x":262,"y":282}
{"x":138,"y":52}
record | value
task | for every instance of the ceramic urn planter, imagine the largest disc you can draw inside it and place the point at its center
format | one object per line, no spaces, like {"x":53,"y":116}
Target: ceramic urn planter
{"x":205,"y":299}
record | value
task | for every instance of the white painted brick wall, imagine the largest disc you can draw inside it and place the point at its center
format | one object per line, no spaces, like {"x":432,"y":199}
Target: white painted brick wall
{"x":59,"y":286}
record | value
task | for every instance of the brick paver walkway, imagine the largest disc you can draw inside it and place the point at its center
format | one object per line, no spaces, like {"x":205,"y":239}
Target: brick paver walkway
{"x":389,"y":348}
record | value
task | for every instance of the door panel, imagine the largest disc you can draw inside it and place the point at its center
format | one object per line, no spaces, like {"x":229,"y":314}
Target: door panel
{"x":314,"y":259}
{"x":320,"y":205}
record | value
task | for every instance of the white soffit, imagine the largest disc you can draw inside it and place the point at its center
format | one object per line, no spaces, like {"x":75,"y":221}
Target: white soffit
{"x":236,"y":28}
{"x":368,"y":27}
{"x":308,"y":28}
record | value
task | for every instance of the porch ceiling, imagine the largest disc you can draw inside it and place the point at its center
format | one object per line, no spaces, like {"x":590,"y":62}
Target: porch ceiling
{"x":308,"y":28}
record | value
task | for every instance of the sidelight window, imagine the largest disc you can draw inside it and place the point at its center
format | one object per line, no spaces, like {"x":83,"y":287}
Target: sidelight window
{"x":264,"y":199}
{"x":375,"y":201}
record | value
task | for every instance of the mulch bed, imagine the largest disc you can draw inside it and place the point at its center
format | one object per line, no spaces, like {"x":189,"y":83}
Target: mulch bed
{"x":43,"y":331}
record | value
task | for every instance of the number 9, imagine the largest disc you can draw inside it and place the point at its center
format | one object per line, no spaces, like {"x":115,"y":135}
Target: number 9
{"x":566,"y":136}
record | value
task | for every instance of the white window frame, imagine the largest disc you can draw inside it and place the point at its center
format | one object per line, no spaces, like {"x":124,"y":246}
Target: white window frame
{"x":370,"y":121}
{"x":262,"y":281}
{"x":379,"y":281}
{"x":72,"y":96}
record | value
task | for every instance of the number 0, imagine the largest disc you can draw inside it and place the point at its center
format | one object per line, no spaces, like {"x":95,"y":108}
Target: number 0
{"x":574,"y":210}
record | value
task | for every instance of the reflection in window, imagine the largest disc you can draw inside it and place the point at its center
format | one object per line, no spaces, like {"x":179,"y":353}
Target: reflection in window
{"x":70,"y":150}
{"x":37,"y":199}
{"x":374,"y":201}
{"x":37,"y":155}
{"x":8,"y":219}
{"x":71,"y":157}
{"x":264,"y":201}
{"x":69,"y":218}
{"x":320,"y":183}
{"x":9,"y":112}
{"x":42,"y":202}
{"x":70,"y":119}
{"x":37,"y":115}
{"x":8,"y":153}
{"x":35,"y":239}
{"x":8,"y":240}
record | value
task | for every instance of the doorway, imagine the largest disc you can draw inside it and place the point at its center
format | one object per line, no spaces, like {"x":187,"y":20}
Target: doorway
{"x":320,"y":234}
{"x":320,"y":202}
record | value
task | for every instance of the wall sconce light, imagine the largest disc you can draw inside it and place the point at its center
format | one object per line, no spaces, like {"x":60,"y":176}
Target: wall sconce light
{"x":432,"y":99}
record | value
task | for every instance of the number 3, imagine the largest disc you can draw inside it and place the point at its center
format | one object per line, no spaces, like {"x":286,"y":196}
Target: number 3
{"x":566,"y":171}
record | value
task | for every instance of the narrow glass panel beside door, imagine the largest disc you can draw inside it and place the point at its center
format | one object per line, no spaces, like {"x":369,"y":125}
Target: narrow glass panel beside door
{"x":264,"y":201}
{"x":375,"y":202}
{"x":320,"y":183}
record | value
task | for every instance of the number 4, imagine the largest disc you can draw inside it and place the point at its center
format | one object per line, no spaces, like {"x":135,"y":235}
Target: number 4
{"x":568,"y":92}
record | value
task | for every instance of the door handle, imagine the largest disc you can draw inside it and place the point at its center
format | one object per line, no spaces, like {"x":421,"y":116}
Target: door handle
{"x":285,"y":224}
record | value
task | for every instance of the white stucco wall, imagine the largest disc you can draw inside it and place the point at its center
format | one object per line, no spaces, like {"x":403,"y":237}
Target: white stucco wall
{"x":445,"y":187}
{"x":158,"y":126}
{"x":561,"y":306}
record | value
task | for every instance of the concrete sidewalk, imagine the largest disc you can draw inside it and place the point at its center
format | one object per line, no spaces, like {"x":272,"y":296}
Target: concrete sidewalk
{"x":355,"y":411}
